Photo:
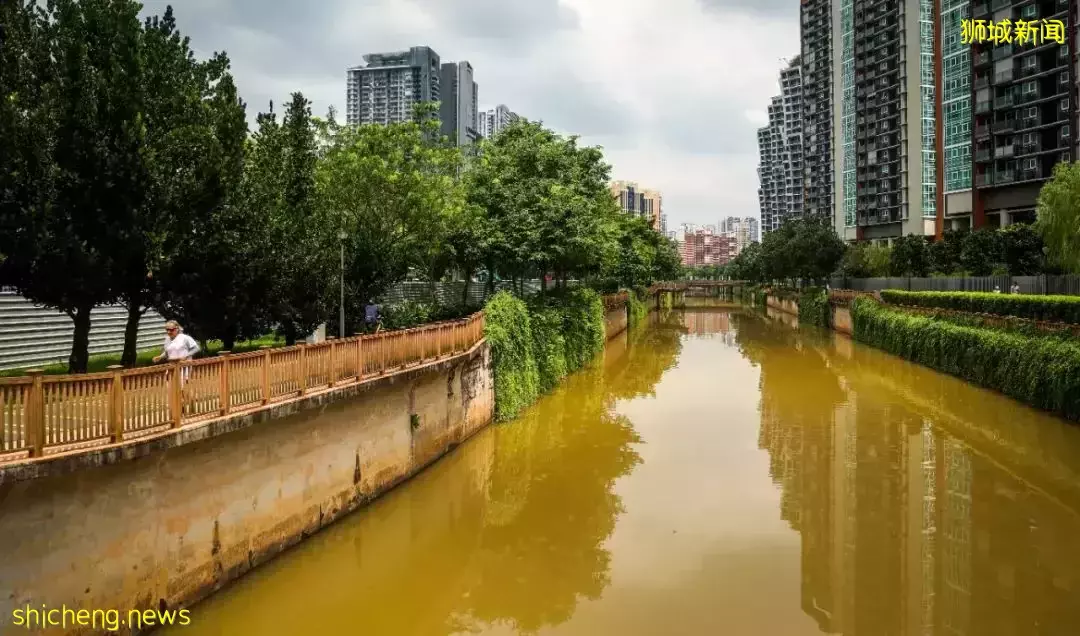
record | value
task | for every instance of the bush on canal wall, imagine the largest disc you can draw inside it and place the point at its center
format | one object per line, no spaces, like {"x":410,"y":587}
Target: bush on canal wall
{"x":1043,"y":372}
{"x":814,"y":307}
{"x":1048,"y":308}
{"x":636,"y":310}
{"x":535,"y":345}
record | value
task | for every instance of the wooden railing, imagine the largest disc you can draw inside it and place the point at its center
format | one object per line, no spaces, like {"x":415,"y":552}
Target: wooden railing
{"x":843,"y":297}
{"x":44,"y":415}
{"x":615,"y":301}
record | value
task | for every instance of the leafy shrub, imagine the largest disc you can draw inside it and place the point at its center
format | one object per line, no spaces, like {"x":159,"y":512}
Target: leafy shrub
{"x":636,"y":310}
{"x":549,"y":346}
{"x":508,"y":330}
{"x":583,"y":327}
{"x":534,"y":346}
{"x":405,"y":315}
{"x":1043,"y":372}
{"x":814,"y":307}
{"x":1049,"y":308}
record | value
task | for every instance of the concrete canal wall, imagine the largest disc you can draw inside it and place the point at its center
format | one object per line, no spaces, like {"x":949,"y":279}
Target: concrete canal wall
{"x":169,"y":528}
{"x":175,"y":519}
{"x":839,"y":315}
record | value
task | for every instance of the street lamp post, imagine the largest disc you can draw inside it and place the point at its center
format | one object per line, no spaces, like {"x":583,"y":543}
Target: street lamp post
{"x":341,"y":317}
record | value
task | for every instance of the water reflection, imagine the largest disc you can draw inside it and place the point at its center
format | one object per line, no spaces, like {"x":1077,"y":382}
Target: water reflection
{"x":507,"y":532}
{"x":908,"y":522}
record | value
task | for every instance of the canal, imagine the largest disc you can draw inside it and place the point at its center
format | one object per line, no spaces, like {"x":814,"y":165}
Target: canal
{"x":718,"y":472}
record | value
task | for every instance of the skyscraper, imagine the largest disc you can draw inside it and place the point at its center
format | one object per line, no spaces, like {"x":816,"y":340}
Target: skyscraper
{"x":884,"y":155}
{"x":780,"y":145}
{"x":817,"y":107}
{"x":637,"y":201}
{"x":459,"y":107}
{"x":386,"y":87}
{"x":494,"y":120}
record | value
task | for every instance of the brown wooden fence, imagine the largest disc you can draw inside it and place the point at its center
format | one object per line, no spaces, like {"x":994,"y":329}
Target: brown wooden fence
{"x":44,"y":415}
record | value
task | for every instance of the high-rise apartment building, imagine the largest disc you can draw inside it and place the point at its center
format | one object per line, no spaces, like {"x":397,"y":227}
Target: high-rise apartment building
{"x":707,"y":247}
{"x":817,"y":107}
{"x":459,"y":107}
{"x":1024,"y":113}
{"x":494,"y":120}
{"x":780,"y":145}
{"x":885,"y":154}
{"x":387,"y":86}
{"x":637,"y":201}
{"x":742,"y":230}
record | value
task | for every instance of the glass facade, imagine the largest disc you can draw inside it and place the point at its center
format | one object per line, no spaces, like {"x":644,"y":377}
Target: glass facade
{"x":847,"y":121}
{"x":927,"y":107}
{"x":956,"y":97}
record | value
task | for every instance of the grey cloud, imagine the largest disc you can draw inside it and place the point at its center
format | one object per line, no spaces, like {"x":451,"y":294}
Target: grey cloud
{"x":777,"y":8}
{"x":508,"y":21}
{"x":706,"y":127}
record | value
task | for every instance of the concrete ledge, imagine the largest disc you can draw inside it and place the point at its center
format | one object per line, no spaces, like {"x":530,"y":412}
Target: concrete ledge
{"x":67,"y":462}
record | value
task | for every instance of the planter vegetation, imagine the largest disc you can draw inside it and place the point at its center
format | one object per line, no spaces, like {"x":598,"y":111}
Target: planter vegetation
{"x":1041,"y":371}
{"x":1048,"y":308}
{"x":535,"y":345}
{"x":814,"y":308}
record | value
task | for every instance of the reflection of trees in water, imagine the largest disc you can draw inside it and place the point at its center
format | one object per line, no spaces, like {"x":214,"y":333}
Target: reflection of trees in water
{"x":903,"y":528}
{"x":550,"y":500}
{"x":650,"y":352}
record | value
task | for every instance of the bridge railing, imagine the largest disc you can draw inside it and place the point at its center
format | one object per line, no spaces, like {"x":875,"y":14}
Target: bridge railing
{"x":44,"y":415}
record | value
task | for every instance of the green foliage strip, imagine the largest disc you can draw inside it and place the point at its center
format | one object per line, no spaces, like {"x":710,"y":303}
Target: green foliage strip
{"x":535,"y":345}
{"x":1048,"y":308}
{"x":1042,"y":372}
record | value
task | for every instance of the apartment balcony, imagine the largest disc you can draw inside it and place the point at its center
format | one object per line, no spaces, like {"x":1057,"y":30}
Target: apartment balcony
{"x":980,"y":9}
{"x":1004,"y":151}
{"x":1003,"y":76}
{"x":982,"y":107}
{"x":1029,"y":148}
{"x":1027,"y":174}
{"x":1004,"y":176}
{"x":982,"y":81}
{"x":1030,"y":122}
{"x":1002,"y":52}
{"x":984,"y":179}
{"x":982,"y":131}
{"x":1027,"y":69}
{"x":1005,"y":126}
{"x":1000,"y":4}
{"x":982,"y":154}
{"x":1004,"y":101}
{"x":981,"y":58}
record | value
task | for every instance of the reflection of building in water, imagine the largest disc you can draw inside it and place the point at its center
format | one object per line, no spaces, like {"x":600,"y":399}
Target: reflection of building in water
{"x":710,"y":323}
{"x":904,"y":529}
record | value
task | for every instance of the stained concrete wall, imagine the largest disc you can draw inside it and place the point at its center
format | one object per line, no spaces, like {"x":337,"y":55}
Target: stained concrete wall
{"x":615,"y":322}
{"x":169,"y":528}
{"x":839,"y":317}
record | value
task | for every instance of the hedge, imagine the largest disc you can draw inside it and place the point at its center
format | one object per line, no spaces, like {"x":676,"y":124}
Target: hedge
{"x":1043,"y":372}
{"x":636,"y":311}
{"x":814,"y":308}
{"x":508,"y":330}
{"x":534,"y":346}
{"x":1049,"y":308}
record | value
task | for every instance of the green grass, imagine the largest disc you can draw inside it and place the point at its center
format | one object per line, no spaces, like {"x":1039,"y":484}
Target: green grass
{"x":102,"y":362}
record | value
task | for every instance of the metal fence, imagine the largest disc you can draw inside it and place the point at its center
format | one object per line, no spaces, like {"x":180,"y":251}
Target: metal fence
{"x":1053,"y":285}
{"x":34,"y":335}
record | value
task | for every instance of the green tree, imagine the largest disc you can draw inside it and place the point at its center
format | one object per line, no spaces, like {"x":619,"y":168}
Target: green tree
{"x":1022,"y":249}
{"x":72,"y":135}
{"x":394,"y":191}
{"x":945,"y":253}
{"x":1059,"y":216}
{"x":980,"y":252}
{"x":910,"y":256}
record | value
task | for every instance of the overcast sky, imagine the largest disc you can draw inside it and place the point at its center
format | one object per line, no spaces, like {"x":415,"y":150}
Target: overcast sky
{"x":674,"y":90}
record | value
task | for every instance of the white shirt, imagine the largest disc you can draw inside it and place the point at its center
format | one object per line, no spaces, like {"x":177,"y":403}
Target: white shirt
{"x":180,"y":347}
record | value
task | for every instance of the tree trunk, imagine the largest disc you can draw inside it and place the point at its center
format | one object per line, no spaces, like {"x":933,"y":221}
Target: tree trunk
{"x":80,"y":342}
{"x":228,"y":341}
{"x":131,"y":331}
{"x":465,"y":292}
{"x":543,"y":282}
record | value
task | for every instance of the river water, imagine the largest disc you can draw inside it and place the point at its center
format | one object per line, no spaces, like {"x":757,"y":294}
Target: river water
{"x":716,"y":473}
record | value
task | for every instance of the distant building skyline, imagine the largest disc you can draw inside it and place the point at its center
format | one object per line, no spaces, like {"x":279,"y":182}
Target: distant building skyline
{"x":638,"y":201}
{"x":492,"y":121}
{"x":387,"y":86}
{"x":458,"y":109}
